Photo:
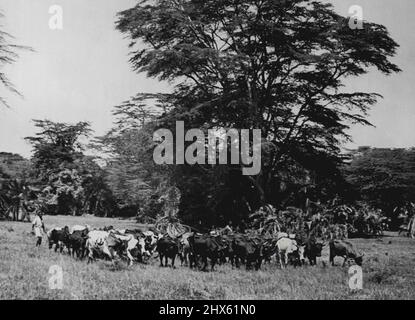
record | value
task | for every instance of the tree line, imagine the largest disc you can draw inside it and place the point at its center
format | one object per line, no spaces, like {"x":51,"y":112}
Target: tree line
{"x":275,"y":65}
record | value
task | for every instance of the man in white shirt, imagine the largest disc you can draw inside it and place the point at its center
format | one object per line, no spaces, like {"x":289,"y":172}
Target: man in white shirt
{"x":38,"y":226}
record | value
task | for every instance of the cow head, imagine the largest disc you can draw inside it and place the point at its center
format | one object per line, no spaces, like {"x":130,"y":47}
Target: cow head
{"x":359,"y":259}
{"x":318,"y":248}
{"x":142,"y":247}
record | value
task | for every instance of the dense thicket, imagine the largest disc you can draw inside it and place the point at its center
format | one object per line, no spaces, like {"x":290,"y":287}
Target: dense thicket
{"x":384,"y":178}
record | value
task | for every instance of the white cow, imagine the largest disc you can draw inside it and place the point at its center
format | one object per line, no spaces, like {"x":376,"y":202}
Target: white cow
{"x":103,"y":242}
{"x":151,"y":239}
{"x":132,"y":243}
{"x":97,"y":243}
{"x":287,"y":246}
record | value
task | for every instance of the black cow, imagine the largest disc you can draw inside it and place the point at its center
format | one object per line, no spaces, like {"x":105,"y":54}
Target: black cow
{"x":204,"y":247}
{"x":346,"y":250}
{"x":59,"y":238}
{"x":167,"y":247}
{"x":77,"y":243}
{"x":313,"y":250}
{"x":269,"y":248}
{"x":248,"y":251}
{"x":225,"y":250}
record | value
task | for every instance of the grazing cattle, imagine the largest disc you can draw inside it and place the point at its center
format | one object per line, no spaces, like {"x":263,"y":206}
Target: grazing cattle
{"x":147,"y":242}
{"x":77,"y":242}
{"x":49,"y":235}
{"x":106,"y":244}
{"x":167,"y":247}
{"x":226,"y":250}
{"x":96,"y":244}
{"x":313,"y":250}
{"x":204,"y":247}
{"x":346,"y":250}
{"x":130,"y":245}
{"x":248,"y":250}
{"x":289,"y":249}
{"x":59,"y":238}
{"x":151,"y":241}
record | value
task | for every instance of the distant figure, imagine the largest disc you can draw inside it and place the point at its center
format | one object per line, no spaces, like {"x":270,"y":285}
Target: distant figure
{"x":38,"y":227}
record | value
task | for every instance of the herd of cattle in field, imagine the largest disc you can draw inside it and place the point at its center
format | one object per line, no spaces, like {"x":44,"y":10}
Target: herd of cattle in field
{"x":194,"y":249}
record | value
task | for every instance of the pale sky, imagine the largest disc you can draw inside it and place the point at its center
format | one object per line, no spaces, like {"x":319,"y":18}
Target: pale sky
{"x":79,"y":73}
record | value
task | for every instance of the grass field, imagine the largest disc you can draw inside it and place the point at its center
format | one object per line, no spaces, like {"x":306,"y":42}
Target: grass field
{"x":388,"y":273}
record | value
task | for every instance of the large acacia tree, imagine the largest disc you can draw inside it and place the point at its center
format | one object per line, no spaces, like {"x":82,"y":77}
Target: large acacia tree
{"x":277,"y":65}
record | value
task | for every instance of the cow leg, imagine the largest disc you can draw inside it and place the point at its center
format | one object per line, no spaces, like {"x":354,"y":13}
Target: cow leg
{"x":186,"y":258}
{"x":166,"y":261}
{"x":205,"y":263}
{"x":258,"y":264}
{"x":172,"y":261}
{"x":90,"y":255}
{"x":280,"y":258}
{"x":213,"y":262}
{"x":196,"y":261}
{"x":161,"y":259}
{"x":190,"y":261}
{"x":130,"y":258}
{"x":108,"y":252}
{"x":331,"y":259}
{"x":237,"y":262}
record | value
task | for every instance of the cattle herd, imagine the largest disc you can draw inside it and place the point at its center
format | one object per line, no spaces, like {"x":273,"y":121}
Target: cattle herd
{"x":194,"y":249}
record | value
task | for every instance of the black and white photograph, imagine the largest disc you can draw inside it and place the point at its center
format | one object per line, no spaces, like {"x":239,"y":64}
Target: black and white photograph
{"x":207,"y":150}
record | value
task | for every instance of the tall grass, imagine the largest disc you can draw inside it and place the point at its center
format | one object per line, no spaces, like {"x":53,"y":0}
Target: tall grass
{"x":388,"y":273}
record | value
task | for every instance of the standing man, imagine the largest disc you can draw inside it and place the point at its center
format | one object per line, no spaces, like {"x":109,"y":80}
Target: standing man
{"x":38,"y":226}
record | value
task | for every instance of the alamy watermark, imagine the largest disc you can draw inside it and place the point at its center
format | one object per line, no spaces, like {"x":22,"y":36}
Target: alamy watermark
{"x":56,"y":20}
{"x":56,"y":278}
{"x":210,"y":149}
{"x":355,"y":277}
{"x":355,"y":17}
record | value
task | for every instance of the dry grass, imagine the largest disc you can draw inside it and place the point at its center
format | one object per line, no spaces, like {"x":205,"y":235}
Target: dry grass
{"x":388,"y":273}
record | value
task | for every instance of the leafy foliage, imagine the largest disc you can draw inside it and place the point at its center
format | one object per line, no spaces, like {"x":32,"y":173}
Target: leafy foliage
{"x":69,"y":181}
{"x":275,"y":65}
{"x":383,"y":177}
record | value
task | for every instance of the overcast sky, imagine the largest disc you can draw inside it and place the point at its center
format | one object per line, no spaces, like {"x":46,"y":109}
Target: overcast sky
{"x":79,"y":73}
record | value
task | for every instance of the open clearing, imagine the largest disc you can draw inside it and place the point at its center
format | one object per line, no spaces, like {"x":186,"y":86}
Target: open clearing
{"x":388,"y":272}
